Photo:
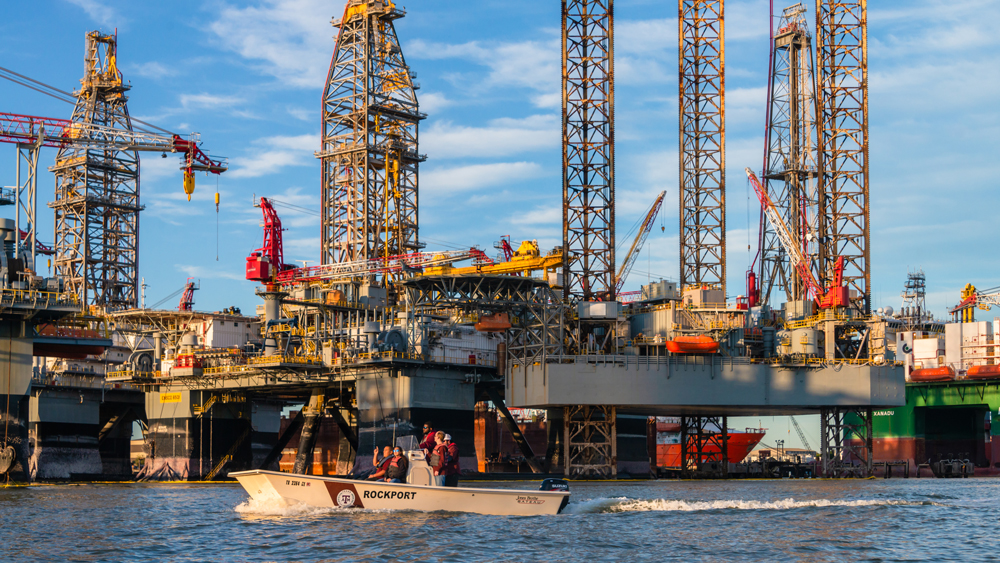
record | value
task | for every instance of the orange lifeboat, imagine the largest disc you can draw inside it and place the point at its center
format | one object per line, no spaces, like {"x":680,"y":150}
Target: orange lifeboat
{"x":933,"y":374}
{"x":497,"y":322}
{"x":983,"y":372}
{"x":693,"y":345}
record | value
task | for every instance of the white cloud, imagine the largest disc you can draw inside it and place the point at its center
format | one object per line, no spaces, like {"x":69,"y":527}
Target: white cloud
{"x":501,"y":137}
{"x":201,"y":272}
{"x":431,"y":102}
{"x":272,"y":154}
{"x":292,"y":39}
{"x":534,"y":65}
{"x":208,"y":101}
{"x":98,"y":12}
{"x":151,"y":69}
{"x":539,"y":217}
{"x":476,"y":176}
{"x":302,"y":114}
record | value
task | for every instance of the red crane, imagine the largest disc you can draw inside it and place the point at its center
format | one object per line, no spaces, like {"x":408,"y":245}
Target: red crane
{"x":187,"y":298}
{"x":59,"y":133}
{"x":836,"y":295}
{"x":266,"y":262}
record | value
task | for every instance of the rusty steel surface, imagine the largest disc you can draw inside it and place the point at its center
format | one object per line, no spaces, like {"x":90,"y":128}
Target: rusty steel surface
{"x":588,"y":150}
{"x":702,"y":143}
{"x":96,"y":203}
{"x":842,"y":58}
{"x":790,"y":166}
{"x":369,"y":146}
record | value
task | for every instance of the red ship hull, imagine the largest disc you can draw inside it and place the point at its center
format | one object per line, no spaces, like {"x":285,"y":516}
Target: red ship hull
{"x":739,"y":447}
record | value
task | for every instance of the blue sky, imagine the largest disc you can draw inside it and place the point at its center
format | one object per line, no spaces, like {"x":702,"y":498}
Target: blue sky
{"x":249,"y":75}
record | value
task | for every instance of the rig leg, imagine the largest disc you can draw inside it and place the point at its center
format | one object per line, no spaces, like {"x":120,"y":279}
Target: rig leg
{"x":312,"y":412}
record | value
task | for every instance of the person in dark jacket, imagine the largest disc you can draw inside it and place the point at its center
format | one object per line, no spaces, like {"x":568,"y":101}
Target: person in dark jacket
{"x":452,"y":470}
{"x":428,"y":444}
{"x":397,"y":467}
{"x":438,"y":458}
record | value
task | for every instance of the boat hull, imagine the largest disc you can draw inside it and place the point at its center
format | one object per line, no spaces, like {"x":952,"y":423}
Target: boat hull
{"x":331,"y":492}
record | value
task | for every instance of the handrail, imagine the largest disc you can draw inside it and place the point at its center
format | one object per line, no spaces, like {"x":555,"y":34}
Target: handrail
{"x":34,"y":295}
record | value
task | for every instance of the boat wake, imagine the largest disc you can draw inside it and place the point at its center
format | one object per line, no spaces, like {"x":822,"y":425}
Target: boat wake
{"x":278,"y":507}
{"x":621,"y":504}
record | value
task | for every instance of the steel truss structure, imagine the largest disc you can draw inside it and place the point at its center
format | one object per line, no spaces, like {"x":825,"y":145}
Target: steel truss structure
{"x":790,"y":167}
{"x":842,"y":47}
{"x":588,"y":117}
{"x":847,"y":444}
{"x":26,"y":197}
{"x":590,"y":441}
{"x":702,"y":143}
{"x":704,"y":446}
{"x":369,"y":152}
{"x":535,"y":310}
{"x":913,"y":312}
{"x":96,"y":203}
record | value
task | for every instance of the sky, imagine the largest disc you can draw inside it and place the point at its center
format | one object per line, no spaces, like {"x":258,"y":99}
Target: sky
{"x":248,"y":76}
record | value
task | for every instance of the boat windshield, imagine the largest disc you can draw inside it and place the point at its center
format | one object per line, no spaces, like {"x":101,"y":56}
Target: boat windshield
{"x":407,"y":443}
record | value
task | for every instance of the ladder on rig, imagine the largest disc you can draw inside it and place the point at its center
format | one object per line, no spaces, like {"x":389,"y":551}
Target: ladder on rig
{"x":229,"y":455}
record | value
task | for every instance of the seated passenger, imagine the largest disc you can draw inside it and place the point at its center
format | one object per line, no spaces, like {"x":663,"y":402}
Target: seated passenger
{"x":396,"y":467}
{"x":380,"y":465}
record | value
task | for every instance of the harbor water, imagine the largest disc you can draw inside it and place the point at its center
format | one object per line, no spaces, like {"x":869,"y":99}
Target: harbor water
{"x":782,"y":520}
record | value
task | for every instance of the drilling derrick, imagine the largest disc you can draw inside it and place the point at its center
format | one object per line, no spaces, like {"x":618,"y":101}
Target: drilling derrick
{"x":369,"y":152}
{"x":842,"y":57}
{"x":790,"y":171}
{"x":588,"y":150}
{"x":96,"y":203}
{"x":589,"y":214}
{"x":702,"y":144}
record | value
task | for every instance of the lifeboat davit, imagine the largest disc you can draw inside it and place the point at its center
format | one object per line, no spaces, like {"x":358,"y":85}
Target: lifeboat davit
{"x":983,"y":372}
{"x":933,"y":374}
{"x":693,"y":345}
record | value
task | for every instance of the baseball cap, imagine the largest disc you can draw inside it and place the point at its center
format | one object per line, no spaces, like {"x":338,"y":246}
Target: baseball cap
{"x":447,"y":437}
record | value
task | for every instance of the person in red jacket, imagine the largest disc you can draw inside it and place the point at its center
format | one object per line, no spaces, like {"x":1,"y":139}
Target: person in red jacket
{"x":428,"y":442}
{"x":439,"y":459}
{"x":452,"y":470}
{"x":379,"y":465}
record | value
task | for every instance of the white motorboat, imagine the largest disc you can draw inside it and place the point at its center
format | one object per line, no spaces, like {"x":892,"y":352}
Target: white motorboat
{"x":416,"y":494}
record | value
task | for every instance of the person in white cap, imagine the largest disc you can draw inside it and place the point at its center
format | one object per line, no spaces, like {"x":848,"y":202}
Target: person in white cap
{"x":452,"y":470}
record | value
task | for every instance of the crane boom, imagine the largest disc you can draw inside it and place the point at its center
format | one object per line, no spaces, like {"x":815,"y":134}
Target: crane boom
{"x":802,"y":435}
{"x":390,"y":264}
{"x":798,"y":260}
{"x":640,"y":239}
{"x":59,"y":133}
{"x":266,"y":264}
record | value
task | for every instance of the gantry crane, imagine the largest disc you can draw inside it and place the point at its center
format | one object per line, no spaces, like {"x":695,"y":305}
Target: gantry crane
{"x":31,"y":133}
{"x":837,"y":295}
{"x":266,"y":264}
{"x":640,"y":239}
{"x":972,"y":299}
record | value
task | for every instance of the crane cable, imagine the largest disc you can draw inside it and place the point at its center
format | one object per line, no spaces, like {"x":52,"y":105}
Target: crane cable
{"x":61,"y":95}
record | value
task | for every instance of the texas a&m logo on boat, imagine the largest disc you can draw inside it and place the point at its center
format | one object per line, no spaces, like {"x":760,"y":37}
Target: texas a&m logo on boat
{"x":344,"y":494}
{"x":346,"y":497}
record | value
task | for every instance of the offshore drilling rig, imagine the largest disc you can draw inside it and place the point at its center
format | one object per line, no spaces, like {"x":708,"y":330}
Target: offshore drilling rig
{"x":383,"y":335}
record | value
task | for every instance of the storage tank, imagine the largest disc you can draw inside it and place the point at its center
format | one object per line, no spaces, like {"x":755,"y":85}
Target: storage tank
{"x":805,"y":341}
{"x":784,"y":342}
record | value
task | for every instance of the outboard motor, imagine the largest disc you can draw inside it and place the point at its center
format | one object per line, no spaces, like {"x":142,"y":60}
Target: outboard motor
{"x":554,"y":485}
